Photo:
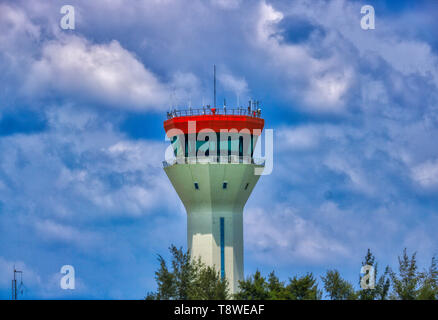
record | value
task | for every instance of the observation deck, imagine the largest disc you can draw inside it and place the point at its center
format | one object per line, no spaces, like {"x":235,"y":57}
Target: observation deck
{"x":214,"y":135}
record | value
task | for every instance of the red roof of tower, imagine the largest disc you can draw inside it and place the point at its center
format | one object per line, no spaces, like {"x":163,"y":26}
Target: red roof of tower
{"x":211,"y":119}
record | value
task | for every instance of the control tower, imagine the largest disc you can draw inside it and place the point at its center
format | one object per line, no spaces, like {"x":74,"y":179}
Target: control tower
{"x":214,"y":173}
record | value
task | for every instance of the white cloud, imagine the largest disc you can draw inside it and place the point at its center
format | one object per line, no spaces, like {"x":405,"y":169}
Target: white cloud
{"x":404,"y":54}
{"x":105,"y":73}
{"x":351,"y":167}
{"x":320,"y":83}
{"x":57,"y":232}
{"x":237,"y":85}
{"x":47,"y":63}
{"x":285,"y":236}
{"x":185,"y":89}
{"x":426,"y":174}
{"x":83,"y":157}
{"x":301,"y":138}
{"x":322,"y":74}
{"x":308,"y":137}
{"x":227,"y":4}
{"x":268,"y":18}
{"x":19,"y":28}
{"x":326,"y":92}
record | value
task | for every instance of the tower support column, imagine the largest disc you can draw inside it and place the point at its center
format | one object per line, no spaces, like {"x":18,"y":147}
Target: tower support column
{"x":214,"y":195}
{"x":217,"y":238}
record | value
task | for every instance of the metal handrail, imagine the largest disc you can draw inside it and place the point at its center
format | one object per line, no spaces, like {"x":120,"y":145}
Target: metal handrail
{"x":256,"y":113}
{"x":215,"y":159}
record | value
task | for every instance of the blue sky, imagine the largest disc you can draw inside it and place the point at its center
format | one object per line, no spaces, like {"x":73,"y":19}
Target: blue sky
{"x":354,"y":114}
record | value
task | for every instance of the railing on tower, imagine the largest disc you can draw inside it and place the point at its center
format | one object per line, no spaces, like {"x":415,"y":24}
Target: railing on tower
{"x":215,"y":159}
{"x":251,"y":112}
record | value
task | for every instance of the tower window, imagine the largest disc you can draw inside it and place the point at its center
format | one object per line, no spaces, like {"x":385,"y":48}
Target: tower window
{"x":246,"y":186}
{"x":224,"y":185}
{"x":196,"y":186}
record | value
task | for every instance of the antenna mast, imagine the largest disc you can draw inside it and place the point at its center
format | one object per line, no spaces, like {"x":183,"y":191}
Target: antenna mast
{"x":214,"y":85}
{"x":14,"y":283}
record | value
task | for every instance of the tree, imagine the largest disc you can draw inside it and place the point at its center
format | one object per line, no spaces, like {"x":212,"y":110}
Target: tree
{"x":276,"y":288}
{"x":429,"y":282}
{"x":189,"y":279}
{"x":304,"y":288}
{"x":254,"y":287}
{"x":336,"y":287}
{"x":184,"y":272}
{"x":166,"y":283}
{"x":406,"y":283}
{"x":382,"y":285}
{"x":208,"y":284}
{"x":192,"y":279}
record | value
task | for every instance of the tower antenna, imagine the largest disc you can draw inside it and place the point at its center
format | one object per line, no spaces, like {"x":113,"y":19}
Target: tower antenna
{"x":214,"y":85}
{"x":14,"y":283}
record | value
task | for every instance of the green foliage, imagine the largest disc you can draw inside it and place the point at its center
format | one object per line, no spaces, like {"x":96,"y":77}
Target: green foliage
{"x":257,"y":288}
{"x":254,"y":287}
{"x":188,"y":280}
{"x":184,"y":272}
{"x":406,"y":282}
{"x":429,"y":282}
{"x":166,"y":282}
{"x":304,"y":288}
{"x":383,"y":285}
{"x":276,"y":288}
{"x":208,"y":284}
{"x":336,"y":287}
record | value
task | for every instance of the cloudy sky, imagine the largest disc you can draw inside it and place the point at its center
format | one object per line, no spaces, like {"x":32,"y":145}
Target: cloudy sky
{"x":354,"y":114}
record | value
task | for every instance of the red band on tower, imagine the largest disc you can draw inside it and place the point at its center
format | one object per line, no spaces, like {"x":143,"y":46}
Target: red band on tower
{"x":216,"y":123}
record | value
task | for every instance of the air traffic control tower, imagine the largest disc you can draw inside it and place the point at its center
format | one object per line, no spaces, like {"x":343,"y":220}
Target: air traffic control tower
{"x":214,"y":173}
